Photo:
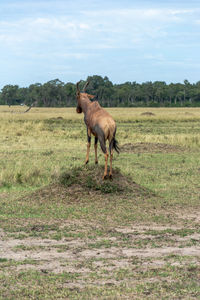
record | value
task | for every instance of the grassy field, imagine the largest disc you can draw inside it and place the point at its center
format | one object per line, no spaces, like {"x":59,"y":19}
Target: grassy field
{"x":66,"y":234}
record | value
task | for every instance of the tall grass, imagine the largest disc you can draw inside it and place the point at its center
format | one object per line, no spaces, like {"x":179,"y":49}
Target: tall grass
{"x":35,"y":146}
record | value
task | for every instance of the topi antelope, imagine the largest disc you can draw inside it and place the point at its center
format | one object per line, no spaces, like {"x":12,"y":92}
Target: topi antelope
{"x":99,"y":123}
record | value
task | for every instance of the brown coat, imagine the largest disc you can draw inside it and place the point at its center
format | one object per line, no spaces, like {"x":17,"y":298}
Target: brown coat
{"x":99,"y":123}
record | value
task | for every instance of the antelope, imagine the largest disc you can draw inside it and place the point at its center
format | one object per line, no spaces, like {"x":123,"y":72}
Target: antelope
{"x":99,"y":123}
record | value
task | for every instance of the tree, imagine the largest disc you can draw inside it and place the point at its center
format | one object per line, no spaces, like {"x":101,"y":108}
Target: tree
{"x":160,"y":91}
{"x":69,"y":94}
{"x":34,"y":95}
{"x":57,"y":93}
{"x":52,"y":92}
{"x":9,"y":94}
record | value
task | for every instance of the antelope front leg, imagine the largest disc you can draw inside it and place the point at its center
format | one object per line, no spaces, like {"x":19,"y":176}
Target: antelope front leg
{"x":88,"y":145}
{"x":106,"y":165}
{"x":95,"y":150}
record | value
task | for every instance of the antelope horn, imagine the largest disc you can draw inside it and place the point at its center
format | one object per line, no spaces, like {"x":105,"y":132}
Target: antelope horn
{"x":77,"y":86}
{"x":85,"y":86}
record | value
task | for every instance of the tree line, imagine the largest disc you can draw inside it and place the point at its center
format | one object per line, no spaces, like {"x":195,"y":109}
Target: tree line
{"x":56,"y":93}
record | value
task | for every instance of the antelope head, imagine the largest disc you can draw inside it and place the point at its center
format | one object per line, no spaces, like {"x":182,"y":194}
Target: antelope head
{"x":78,"y":97}
{"x":82,"y":96}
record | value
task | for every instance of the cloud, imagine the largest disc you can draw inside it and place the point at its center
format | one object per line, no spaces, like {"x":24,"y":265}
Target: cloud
{"x":36,"y":28}
{"x":104,"y":29}
{"x":97,"y":36}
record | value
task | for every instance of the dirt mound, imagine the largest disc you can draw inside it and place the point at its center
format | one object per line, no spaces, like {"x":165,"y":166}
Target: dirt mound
{"x":87,"y":181}
{"x":55,"y":119}
{"x":150,"y":148}
{"x":147,"y":113}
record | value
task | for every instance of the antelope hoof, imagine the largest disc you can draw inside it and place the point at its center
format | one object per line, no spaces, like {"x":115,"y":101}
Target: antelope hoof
{"x":105,"y":177}
{"x":96,"y":162}
{"x":86,"y":162}
{"x":110,"y":176}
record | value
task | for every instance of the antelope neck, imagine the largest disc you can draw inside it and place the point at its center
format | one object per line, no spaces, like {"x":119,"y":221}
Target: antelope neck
{"x":84,"y":103}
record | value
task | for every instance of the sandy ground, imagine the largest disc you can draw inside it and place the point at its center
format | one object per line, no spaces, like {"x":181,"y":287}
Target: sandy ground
{"x":70,"y":255}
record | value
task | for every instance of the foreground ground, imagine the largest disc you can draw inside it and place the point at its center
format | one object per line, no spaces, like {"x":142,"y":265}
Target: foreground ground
{"x":66,"y":234}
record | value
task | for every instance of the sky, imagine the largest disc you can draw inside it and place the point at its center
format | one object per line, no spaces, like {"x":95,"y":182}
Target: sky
{"x":125,"y":40}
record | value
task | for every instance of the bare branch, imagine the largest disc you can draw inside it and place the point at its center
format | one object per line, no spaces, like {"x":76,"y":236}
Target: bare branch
{"x":33,"y":104}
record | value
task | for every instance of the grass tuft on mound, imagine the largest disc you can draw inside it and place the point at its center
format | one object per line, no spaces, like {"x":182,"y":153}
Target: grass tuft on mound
{"x":90,"y":178}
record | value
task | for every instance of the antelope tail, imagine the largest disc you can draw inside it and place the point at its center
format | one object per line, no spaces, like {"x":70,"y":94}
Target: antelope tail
{"x":114,"y":145}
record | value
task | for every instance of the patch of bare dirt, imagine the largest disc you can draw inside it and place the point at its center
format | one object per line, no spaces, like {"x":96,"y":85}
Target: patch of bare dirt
{"x":141,"y":253}
{"x":151,"y":148}
{"x":2,"y":234}
{"x":157,"y":252}
{"x":3,"y":195}
{"x":189,"y":113}
{"x":194,"y":216}
{"x":83,"y":255}
{"x":147,"y":113}
{"x":143,"y":228}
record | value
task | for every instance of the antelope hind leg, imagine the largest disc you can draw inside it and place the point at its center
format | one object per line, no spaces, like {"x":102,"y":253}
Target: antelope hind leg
{"x":95,"y":150}
{"x":106,"y":165}
{"x":111,"y":157}
{"x":88,"y":146}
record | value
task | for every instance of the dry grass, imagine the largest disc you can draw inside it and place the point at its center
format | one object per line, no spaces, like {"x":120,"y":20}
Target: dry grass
{"x":66,"y":234}
{"x":120,"y":114}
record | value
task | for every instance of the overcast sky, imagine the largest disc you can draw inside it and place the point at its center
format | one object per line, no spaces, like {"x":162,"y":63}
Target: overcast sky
{"x":126,"y":40}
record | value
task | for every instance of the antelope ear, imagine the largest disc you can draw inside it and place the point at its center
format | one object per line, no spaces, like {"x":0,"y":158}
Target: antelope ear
{"x":90,"y":96}
{"x":79,"y":110}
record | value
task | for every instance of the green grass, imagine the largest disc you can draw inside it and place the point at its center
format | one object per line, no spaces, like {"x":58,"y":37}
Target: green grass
{"x":147,"y":285}
{"x":51,"y":203}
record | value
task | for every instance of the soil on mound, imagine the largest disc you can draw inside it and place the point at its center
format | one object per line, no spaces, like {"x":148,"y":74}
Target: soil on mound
{"x":87,"y":181}
{"x":150,"y":148}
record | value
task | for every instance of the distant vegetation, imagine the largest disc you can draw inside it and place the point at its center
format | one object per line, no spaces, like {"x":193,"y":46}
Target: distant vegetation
{"x":56,"y":93}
